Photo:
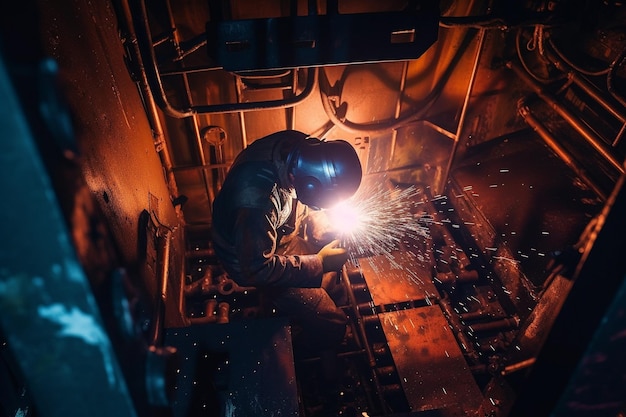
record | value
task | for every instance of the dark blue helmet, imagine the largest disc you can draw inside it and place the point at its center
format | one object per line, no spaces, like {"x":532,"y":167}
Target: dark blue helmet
{"x":325,"y":172}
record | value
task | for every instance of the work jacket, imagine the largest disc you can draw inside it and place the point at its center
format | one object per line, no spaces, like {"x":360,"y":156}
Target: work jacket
{"x":251,"y":218}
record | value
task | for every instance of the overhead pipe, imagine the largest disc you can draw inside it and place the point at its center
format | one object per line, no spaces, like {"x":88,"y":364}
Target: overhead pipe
{"x":560,"y":151}
{"x":152,"y":88}
{"x":311,"y":81}
{"x":495,"y":325}
{"x":620,"y":135}
{"x":470,"y":86}
{"x":590,"y":89}
{"x":194,"y":118}
{"x":138,"y":20}
{"x":617,"y":62}
{"x":147,"y":57}
{"x":589,"y":135}
{"x":158,"y":136}
{"x":396,"y":115}
{"x":399,"y":121}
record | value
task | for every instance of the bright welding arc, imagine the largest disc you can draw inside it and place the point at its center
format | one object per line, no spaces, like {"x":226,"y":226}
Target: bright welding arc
{"x":375,"y":221}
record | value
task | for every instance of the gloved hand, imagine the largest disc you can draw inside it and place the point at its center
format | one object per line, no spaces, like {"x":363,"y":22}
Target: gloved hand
{"x":319,"y":228}
{"x":332,"y":256}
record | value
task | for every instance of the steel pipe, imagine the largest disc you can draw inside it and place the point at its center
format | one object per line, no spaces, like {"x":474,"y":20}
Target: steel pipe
{"x":461,"y":124}
{"x":477,"y":315}
{"x":560,"y":151}
{"x":589,"y":135}
{"x":158,"y":136}
{"x":585,"y":85}
{"x":458,"y":328}
{"x":148,"y":63}
{"x":209,"y":313}
{"x":518,"y":366}
{"x":495,"y":325}
{"x":207,"y":286}
{"x":590,"y":90}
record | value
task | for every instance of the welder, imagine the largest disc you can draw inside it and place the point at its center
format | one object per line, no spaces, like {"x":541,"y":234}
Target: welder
{"x":262,"y":237}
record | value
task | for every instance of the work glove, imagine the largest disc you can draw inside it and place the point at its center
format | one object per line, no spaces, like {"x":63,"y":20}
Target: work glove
{"x":332,"y":256}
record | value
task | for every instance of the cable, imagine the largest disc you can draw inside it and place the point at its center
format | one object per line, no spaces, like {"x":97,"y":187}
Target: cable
{"x":573,"y":65}
{"x":617,"y":62}
{"x":390,"y":124}
{"x":371,"y":128}
{"x":536,"y":43}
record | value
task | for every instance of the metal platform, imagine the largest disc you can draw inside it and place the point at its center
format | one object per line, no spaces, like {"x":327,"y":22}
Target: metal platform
{"x":432,"y":379}
{"x":398,"y":278}
{"x":431,"y":367}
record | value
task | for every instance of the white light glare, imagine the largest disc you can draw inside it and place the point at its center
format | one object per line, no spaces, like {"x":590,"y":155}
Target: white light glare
{"x":346,"y":218}
{"x":377,"y":219}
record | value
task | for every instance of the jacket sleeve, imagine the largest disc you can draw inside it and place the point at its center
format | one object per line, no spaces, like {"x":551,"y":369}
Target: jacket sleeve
{"x":256,"y":241}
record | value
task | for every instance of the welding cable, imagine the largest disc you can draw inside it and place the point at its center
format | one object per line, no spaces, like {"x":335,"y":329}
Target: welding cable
{"x":574,"y":66}
{"x":391,"y":124}
{"x":476,"y":22}
{"x":492,"y":21}
{"x":349,"y":126}
{"x":524,"y":63}
{"x":617,"y":63}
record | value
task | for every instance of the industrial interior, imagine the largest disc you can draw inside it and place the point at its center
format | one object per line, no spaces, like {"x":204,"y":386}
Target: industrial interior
{"x":498,"y":126}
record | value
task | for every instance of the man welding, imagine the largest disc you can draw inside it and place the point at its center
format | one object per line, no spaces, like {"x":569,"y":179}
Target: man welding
{"x":260,"y":229}
{"x":263,"y":238}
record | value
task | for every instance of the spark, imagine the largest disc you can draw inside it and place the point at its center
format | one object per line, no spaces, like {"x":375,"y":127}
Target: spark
{"x":378,"y":220}
{"x":503,"y":258}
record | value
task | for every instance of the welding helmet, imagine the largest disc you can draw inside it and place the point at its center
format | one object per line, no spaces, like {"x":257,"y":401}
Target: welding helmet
{"x":324,"y":172}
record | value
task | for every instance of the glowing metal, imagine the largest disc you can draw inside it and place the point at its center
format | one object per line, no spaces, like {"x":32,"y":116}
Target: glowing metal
{"x":377,"y":221}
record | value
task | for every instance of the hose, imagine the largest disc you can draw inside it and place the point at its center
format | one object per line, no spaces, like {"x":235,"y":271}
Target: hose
{"x":391,"y":124}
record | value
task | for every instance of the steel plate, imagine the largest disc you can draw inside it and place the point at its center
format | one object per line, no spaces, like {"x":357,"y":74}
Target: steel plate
{"x":431,"y":366}
{"x":398,"y":278}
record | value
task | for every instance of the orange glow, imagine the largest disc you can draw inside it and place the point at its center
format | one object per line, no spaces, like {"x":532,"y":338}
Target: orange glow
{"x":346,"y":218}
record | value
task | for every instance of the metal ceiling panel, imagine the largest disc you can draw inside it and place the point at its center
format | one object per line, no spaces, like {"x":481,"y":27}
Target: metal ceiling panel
{"x":302,"y":41}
